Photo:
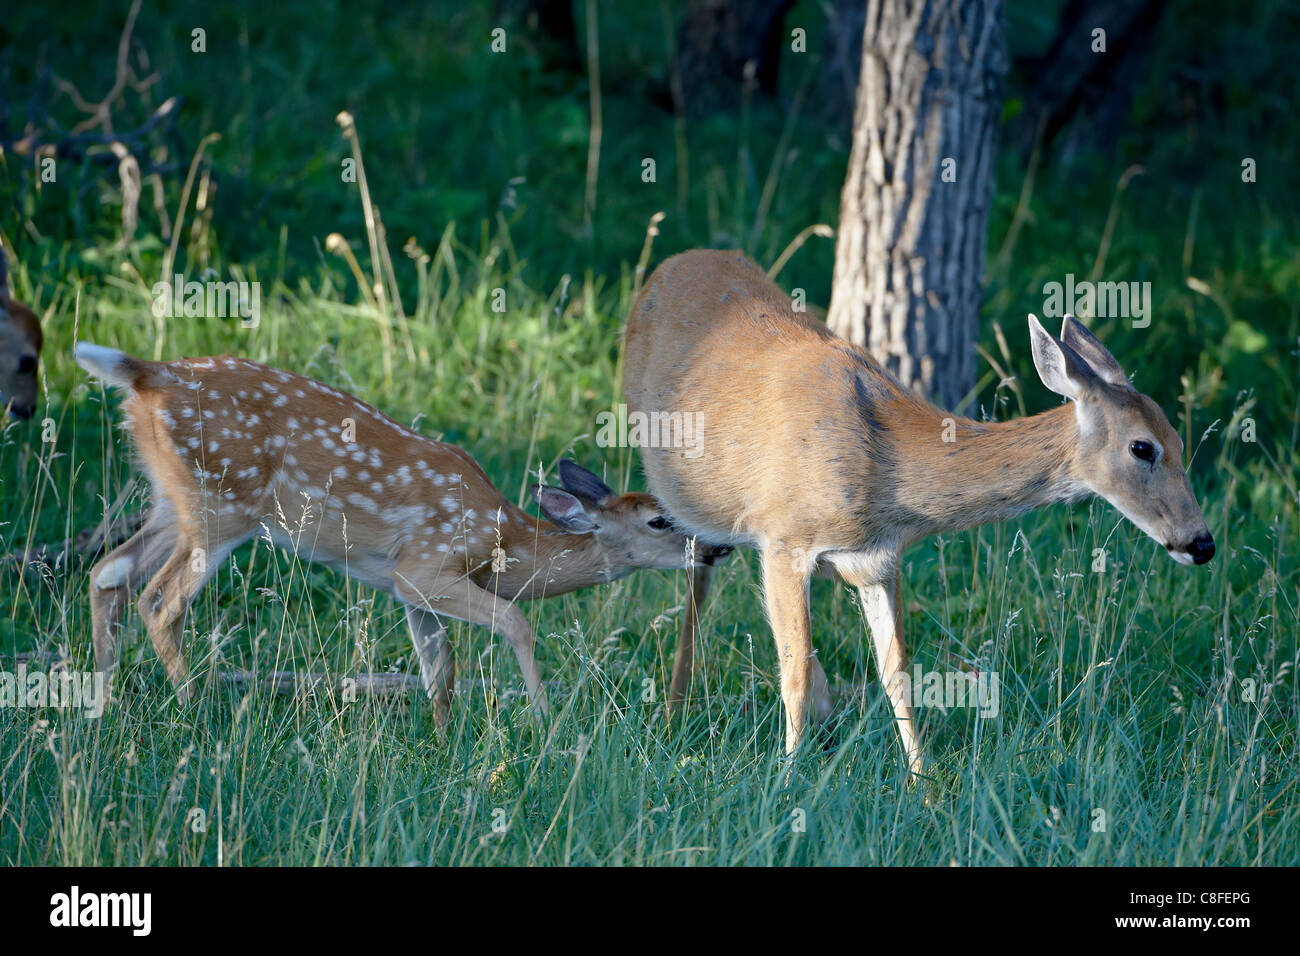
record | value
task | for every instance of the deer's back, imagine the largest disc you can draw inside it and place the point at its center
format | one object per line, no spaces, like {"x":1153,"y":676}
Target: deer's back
{"x":237,"y":443}
{"x":788,"y":414}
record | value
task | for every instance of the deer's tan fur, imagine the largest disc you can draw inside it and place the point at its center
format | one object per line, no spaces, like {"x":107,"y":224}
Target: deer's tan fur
{"x":235,"y":449}
{"x":815,"y":456}
{"x":20,"y":350}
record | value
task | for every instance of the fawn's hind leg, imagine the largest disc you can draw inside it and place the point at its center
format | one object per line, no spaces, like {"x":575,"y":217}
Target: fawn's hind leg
{"x":119,"y":575}
{"x":168,"y":596}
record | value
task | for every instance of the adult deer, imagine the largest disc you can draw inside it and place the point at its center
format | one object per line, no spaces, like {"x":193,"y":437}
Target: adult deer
{"x":20,"y":351}
{"x":817,"y":457}
{"x":233,"y":448}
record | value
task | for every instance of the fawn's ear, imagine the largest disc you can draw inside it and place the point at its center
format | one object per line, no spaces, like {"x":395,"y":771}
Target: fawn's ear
{"x":1060,"y":367}
{"x":1080,"y":338}
{"x":579,"y":481}
{"x":563,"y":509}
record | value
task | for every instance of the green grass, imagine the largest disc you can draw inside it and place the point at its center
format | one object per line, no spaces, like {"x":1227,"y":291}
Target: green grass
{"x":1122,"y":691}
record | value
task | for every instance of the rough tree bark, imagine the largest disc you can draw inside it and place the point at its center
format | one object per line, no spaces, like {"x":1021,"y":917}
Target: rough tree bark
{"x":909,"y":255}
{"x":717,"y":38}
{"x":1087,"y":92}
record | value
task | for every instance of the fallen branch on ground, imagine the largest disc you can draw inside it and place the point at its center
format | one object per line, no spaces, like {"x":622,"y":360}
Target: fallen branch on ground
{"x":383,"y":684}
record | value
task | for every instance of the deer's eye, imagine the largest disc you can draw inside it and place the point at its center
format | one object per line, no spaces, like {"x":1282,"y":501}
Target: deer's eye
{"x":27,"y":364}
{"x":660,"y":523}
{"x":1143,"y":451}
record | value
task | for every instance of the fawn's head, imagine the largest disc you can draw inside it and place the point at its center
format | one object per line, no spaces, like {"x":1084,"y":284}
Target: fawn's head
{"x":1128,"y":452}
{"x":633,"y":528}
{"x":20,"y":347}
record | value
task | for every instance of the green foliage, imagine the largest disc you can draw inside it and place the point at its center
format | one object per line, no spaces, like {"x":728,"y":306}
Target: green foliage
{"x":1122,"y":691}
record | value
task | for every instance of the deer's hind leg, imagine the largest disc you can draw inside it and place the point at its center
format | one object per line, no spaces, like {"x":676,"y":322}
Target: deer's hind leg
{"x":684,"y":661}
{"x":785,"y":593}
{"x":118,"y":576}
{"x":168,"y":595}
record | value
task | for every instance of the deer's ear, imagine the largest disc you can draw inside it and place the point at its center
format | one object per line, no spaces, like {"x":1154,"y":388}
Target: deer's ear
{"x":1059,"y":366}
{"x":579,"y":481}
{"x":1080,"y":338}
{"x":563,"y":509}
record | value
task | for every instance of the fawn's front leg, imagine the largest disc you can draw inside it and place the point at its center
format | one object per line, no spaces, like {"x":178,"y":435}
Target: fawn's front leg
{"x":437,"y":660}
{"x":464,"y":600}
{"x":785,"y":592}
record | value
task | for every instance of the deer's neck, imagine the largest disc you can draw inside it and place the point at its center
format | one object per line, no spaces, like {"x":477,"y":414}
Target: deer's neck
{"x":543,"y":561}
{"x":979,"y":472}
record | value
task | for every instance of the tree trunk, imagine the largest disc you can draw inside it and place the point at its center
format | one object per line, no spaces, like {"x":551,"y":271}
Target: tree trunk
{"x":1081,"y":88}
{"x":551,"y":27}
{"x":715,"y":41}
{"x":909,"y":256}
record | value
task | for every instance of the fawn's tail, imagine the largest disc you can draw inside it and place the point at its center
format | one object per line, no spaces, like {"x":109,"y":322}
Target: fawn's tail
{"x":115,"y":367}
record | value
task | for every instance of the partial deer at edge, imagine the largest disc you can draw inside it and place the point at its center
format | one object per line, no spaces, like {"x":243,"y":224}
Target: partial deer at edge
{"x":20,"y":352}
{"x":816,"y":456}
{"x":234,"y":449}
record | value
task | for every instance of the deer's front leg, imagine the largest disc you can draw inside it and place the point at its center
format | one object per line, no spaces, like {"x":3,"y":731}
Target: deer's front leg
{"x":785,"y":591}
{"x":880,"y":604}
{"x":437,"y":662}
{"x":462,"y":599}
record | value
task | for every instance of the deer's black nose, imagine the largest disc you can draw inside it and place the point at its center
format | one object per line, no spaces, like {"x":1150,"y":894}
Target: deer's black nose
{"x":714,"y":553}
{"x":1202,"y":549}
